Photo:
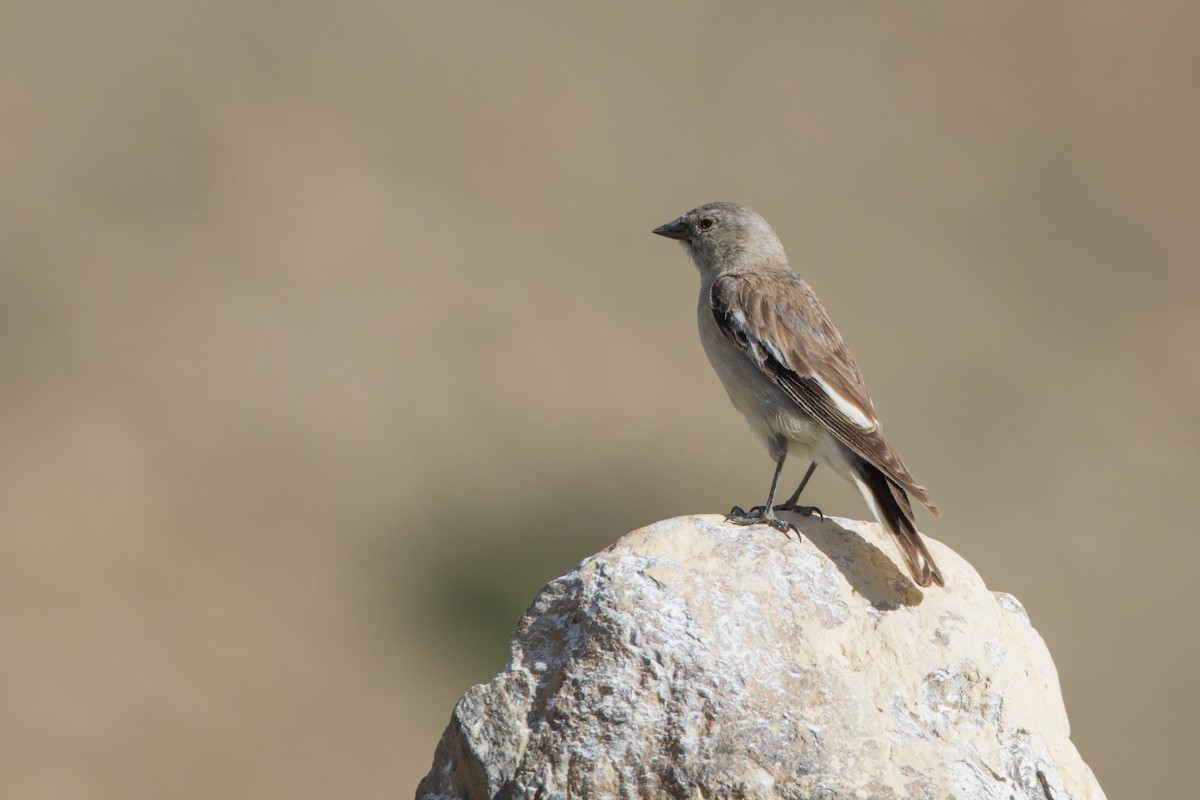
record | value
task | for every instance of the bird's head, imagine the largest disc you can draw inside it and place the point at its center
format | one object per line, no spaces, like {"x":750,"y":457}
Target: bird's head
{"x":724,"y":237}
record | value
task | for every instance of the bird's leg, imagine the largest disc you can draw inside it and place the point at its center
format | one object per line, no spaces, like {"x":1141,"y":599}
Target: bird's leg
{"x":791,"y":505}
{"x":765,"y":513}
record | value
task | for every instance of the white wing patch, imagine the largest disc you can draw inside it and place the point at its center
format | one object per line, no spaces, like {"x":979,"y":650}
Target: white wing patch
{"x":739,"y":318}
{"x":774,"y":351}
{"x":848,"y":407}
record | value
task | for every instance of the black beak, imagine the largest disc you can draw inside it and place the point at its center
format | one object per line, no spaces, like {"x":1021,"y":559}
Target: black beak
{"x":675,"y":229}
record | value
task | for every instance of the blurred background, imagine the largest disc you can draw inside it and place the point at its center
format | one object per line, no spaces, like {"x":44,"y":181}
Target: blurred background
{"x":329,"y":333}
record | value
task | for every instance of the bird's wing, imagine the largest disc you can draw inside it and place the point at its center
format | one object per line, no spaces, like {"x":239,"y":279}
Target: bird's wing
{"x":775,"y":319}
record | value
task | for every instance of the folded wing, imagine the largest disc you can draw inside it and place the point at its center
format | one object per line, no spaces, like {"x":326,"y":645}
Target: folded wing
{"x":775,"y":319}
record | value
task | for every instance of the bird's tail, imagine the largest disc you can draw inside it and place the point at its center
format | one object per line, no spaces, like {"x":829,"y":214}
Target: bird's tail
{"x":891,"y":507}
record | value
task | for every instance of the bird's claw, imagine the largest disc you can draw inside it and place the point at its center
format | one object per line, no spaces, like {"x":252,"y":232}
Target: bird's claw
{"x":758,"y":515}
{"x":795,"y":508}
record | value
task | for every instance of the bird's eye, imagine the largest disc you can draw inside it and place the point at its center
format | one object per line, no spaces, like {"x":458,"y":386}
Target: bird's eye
{"x":705,"y":223}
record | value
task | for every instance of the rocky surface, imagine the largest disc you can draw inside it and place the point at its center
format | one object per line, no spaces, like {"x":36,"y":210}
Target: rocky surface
{"x":696,"y":659}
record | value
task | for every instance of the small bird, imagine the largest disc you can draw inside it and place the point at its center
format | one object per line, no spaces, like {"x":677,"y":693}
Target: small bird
{"x":786,"y":368}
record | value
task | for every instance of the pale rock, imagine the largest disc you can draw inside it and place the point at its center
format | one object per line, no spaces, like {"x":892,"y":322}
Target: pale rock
{"x":698,"y":659}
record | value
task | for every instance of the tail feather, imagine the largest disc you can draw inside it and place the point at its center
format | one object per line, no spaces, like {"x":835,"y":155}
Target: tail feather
{"x":890,"y":505}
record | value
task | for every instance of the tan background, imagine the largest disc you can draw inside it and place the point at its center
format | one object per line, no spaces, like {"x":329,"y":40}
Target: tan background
{"x":329,"y":332}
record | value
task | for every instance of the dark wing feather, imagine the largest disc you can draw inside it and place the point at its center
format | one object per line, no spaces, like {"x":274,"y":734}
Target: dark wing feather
{"x":774,"y":317}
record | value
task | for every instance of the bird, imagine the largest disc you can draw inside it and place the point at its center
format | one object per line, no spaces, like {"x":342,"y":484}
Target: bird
{"x":787,"y":369}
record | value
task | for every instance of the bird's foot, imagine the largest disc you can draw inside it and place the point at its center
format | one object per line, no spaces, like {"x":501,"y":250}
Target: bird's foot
{"x":761,"y":515}
{"x":796,"y":508}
